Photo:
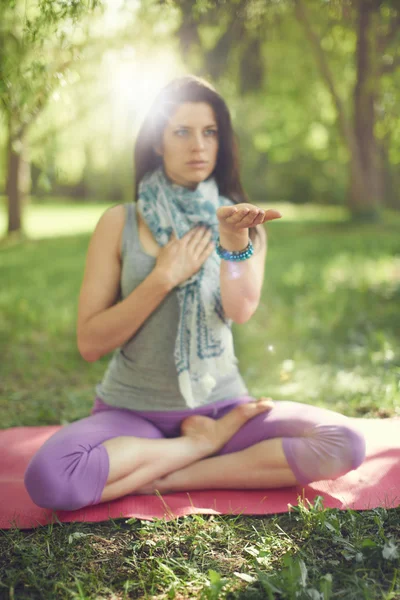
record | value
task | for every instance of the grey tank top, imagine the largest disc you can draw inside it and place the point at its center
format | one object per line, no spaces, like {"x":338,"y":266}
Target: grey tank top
{"x":142,"y":374}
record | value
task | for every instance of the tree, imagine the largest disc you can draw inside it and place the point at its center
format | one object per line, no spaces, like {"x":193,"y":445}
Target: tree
{"x":377,"y":27}
{"x":39,"y":40}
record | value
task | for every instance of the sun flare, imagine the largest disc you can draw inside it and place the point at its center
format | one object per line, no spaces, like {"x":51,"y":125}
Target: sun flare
{"x":135,"y":81}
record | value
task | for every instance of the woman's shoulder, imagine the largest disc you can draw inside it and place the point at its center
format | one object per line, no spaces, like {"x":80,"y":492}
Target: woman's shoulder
{"x":110,"y":226}
{"x":112,"y":220}
{"x":114,"y":215}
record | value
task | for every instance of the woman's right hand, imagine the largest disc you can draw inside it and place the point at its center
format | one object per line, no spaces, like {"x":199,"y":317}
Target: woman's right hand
{"x":179,"y":259}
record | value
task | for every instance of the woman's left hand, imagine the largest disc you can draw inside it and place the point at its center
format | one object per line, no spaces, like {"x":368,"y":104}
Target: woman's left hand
{"x":242,"y":216}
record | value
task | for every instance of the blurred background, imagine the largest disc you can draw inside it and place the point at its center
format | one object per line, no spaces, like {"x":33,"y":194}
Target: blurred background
{"x":313,"y":87}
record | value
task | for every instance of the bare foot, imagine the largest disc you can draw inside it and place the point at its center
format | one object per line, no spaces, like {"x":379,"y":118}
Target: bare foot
{"x":211,"y":434}
{"x":214,"y":433}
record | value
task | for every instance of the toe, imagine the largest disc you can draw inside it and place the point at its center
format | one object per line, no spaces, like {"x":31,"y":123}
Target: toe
{"x":265,"y":403}
{"x":254,"y":408}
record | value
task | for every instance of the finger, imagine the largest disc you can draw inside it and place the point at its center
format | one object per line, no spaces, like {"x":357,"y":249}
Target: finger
{"x":200,"y":232}
{"x":259,"y":218}
{"x":226,"y":211}
{"x":195,"y":236}
{"x":208,"y":250}
{"x":189,"y":235}
{"x":190,"y":232}
{"x":255,"y":217}
{"x":199,"y":243}
{"x":172,"y":238}
{"x":246,"y":217}
{"x":266,"y":402}
{"x":271,"y":214}
{"x":238,"y":216}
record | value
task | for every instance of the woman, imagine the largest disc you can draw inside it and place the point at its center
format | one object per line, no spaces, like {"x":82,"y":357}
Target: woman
{"x":165,"y":278}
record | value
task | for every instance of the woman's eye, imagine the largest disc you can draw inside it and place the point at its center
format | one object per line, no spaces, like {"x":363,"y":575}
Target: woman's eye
{"x":211,"y":132}
{"x":181,"y":132}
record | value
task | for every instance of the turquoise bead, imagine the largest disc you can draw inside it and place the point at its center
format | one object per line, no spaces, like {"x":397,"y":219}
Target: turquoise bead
{"x":233,"y":256}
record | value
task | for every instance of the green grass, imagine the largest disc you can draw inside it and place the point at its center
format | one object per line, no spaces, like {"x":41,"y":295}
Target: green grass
{"x":57,"y":219}
{"x":326,"y":332}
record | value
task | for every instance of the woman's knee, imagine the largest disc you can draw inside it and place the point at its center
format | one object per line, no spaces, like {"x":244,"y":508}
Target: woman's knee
{"x":70,"y":470}
{"x":342,"y":450}
{"x":41,"y":481}
{"x":327,"y":452}
{"x":67,"y":480}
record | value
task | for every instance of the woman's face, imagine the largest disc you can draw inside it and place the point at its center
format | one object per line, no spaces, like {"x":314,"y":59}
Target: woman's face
{"x":190,"y":144}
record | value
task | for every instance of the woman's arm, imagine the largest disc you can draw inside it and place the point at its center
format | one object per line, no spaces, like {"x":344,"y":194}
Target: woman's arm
{"x":103,"y":324}
{"x":241,"y":282}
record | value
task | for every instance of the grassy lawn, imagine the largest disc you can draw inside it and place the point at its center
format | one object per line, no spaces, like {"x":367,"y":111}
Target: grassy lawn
{"x":51,"y":220}
{"x":326,"y":332}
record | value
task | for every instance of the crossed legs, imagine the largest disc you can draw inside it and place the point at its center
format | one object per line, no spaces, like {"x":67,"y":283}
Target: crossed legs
{"x":117,"y":452}
{"x":263,"y":465}
{"x":135,"y":464}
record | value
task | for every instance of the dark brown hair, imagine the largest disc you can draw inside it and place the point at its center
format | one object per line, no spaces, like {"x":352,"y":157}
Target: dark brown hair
{"x":190,"y":88}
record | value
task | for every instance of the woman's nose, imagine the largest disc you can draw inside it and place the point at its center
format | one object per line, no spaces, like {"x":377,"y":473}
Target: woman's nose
{"x":198,"y":141}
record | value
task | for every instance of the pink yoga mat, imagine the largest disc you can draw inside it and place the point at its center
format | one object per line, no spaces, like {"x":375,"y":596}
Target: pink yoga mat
{"x":375,"y":483}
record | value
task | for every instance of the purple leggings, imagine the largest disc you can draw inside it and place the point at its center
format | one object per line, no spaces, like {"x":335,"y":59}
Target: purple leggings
{"x":70,"y":470}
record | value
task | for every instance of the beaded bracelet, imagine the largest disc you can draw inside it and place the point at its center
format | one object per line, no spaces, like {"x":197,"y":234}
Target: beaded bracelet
{"x":236,"y":254}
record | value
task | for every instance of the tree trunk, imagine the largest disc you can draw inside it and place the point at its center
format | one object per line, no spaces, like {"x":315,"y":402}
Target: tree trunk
{"x":365,"y":192}
{"x":17,"y":179}
{"x":365,"y":186}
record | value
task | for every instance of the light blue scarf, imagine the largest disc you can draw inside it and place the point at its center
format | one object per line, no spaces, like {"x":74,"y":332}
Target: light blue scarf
{"x":204,"y":349}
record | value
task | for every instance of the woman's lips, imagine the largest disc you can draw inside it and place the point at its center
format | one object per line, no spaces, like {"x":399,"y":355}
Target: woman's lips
{"x":197,"y":164}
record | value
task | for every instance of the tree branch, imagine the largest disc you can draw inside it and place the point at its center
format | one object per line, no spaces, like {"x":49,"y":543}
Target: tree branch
{"x":41,"y":139}
{"x":42,"y":99}
{"x":303,"y":17}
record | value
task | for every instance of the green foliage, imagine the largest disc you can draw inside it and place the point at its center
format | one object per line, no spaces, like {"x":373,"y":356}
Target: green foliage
{"x":39,"y":40}
{"x":286,"y":120}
